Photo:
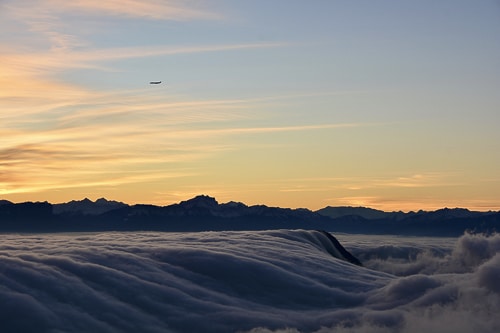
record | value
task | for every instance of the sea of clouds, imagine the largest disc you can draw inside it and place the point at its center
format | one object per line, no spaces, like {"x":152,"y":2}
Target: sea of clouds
{"x":264,"y":281}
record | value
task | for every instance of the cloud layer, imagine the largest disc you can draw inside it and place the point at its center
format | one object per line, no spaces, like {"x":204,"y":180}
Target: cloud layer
{"x":270,"y":281}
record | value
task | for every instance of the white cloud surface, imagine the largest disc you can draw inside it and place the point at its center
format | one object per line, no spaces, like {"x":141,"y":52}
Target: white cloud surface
{"x":268,"y":281}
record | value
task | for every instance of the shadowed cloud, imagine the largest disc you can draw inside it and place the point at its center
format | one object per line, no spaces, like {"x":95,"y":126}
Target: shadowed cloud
{"x":268,"y":281}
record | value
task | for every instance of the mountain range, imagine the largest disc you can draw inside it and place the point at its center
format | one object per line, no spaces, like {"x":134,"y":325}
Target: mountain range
{"x":204,"y":213}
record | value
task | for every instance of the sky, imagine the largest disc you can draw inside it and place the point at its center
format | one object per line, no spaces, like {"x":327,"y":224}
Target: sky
{"x":392,"y":105}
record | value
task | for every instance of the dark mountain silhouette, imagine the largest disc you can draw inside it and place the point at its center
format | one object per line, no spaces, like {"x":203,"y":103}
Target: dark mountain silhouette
{"x":204,"y":213}
{"x":366,"y":213}
{"x":87,"y":207}
{"x":344,"y":254}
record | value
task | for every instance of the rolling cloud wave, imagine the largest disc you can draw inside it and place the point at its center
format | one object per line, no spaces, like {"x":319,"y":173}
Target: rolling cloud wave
{"x":267,"y":281}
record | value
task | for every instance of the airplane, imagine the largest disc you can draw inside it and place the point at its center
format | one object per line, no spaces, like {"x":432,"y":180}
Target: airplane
{"x":155,"y":82}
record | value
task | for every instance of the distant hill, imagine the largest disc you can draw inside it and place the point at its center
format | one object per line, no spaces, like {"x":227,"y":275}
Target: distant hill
{"x":204,"y":213}
{"x":87,"y":207}
{"x":367,"y":213}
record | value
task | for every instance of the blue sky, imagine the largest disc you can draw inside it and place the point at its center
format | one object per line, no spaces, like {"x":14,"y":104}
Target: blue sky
{"x":387,"y":104}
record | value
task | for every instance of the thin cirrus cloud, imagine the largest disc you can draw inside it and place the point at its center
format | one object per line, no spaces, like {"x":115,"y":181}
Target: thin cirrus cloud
{"x":62,"y":135}
{"x":49,"y":134}
{"x":44,"y":61}
{"x":420,"y":180}
{"x":98,"y":151}
{"x":51,"y":127}
{"x":390,"y":192}
{"x":36,"y":167}
{"x":149,"y":9}
{"x":29,"y":69}
{"x":29,"y":86}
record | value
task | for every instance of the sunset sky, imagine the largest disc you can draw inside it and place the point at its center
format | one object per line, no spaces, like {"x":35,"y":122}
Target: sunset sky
{"x":393,"y":105}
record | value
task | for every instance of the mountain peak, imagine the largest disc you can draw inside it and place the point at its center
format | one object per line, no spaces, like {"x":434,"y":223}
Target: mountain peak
{"x":453,"y":212}
{"x":87,"y":206}
{"x":200,"y":201}
{"x":367,"y":213}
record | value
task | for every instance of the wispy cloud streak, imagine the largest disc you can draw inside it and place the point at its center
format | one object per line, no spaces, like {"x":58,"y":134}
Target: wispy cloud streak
{"x":145,"y":9}
{"x":149,"y":9}
{"x":43,"y":61}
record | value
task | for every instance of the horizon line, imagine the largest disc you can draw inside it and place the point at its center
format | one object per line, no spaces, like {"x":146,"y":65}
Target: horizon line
{"x":221,"y":203}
